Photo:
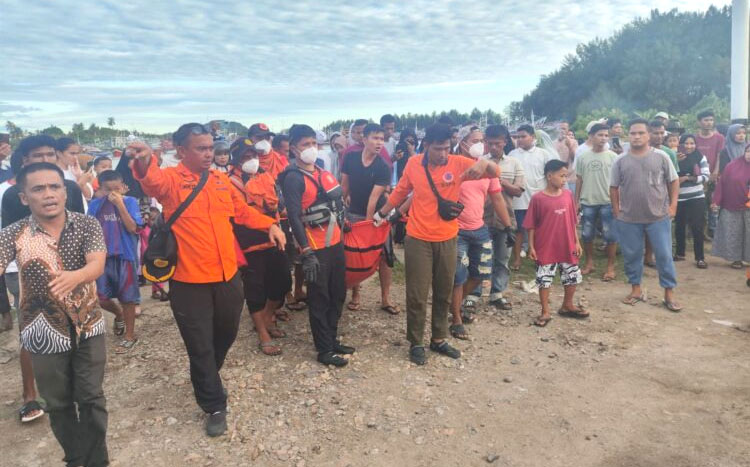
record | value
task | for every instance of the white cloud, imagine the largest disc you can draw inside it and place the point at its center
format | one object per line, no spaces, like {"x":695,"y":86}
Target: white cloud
{"x":156,"y":64}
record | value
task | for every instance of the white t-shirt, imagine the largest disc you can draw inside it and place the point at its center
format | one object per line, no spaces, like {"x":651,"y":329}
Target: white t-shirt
{"x":533,"y":162}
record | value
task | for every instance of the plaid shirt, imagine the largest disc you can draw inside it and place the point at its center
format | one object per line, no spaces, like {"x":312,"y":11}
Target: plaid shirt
{"x":48,"y":323}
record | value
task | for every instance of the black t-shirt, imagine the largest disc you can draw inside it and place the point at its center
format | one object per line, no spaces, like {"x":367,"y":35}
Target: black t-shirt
{"x":363,"y":179}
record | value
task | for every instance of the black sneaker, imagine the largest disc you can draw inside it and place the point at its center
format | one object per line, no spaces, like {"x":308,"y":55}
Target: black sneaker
{"x":445,"y":349}
{"x":216,"y":424}
{"x":417,"y":355}
{"x":342,"y":349}
{"x":330,"y":358}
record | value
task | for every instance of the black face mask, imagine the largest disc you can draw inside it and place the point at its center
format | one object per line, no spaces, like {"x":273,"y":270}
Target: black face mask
{"x":447,"y":210}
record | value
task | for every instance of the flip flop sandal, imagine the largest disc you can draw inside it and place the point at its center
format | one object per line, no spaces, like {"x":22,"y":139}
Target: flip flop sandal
{"x":269,"y":348}
{"x":632,"y":301}
{"x":679,"y":258}
{"x":276,"y":333}
{"x":672,"y":306}
{"x":608,"y":278}
{"x":581,"y":314}
{"x":542,"y":321}
{"x":502,"y":304}
{"x":701,"y":264}
{"x":390,"y":309}
{"x":27,"y":409}
{"x":737,"y":265}
{"x":118,"y":329}
{"x":282,"y":315}
{"x":459,"y":331}
{"x":125,"y":346}
{"x":353,"y":306}
{"x":296,"y":306}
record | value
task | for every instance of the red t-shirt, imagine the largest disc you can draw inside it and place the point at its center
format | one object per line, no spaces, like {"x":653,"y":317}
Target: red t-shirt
{"x":553,"y":219}
{"x":710,"y":147}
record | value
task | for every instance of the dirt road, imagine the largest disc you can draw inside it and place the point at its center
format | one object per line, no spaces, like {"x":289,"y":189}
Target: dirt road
{"x":632,"y":386}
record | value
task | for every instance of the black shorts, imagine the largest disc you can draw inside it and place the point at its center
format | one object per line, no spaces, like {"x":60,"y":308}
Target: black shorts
{"x":266,"y":277}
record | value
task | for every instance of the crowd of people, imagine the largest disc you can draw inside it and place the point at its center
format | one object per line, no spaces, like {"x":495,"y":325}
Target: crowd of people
{"x":262,"y":221}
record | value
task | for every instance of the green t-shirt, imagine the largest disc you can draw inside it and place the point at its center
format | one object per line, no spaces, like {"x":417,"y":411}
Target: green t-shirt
{"x":672,"y":157}
{"x":594,"y":169}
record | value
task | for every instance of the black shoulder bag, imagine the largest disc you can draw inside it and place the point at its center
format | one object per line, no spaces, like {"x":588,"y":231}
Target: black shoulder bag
{"x":448,"y":210}
{"x":160,"y":257}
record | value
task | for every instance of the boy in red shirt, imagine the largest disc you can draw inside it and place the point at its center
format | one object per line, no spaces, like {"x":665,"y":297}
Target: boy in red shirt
{"x":553,"y":241}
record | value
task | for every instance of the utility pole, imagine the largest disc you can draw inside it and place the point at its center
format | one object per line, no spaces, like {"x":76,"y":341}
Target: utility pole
{"x":740,"y":59}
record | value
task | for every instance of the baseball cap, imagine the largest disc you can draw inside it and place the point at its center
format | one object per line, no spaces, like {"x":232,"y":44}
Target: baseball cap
{"x":662,"y":115}
{"x":240,"y":146}
{"x":259,"y":129}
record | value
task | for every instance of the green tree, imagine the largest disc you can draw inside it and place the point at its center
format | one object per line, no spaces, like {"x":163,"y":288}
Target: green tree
{"x":669,"y":61}
{"x":53,"y":131}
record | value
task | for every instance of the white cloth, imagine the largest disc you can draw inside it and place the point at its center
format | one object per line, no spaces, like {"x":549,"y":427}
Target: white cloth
{"x":533,"y":162}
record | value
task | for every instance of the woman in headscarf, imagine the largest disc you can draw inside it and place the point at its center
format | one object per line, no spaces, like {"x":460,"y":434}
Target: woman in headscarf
{"x":691,"y":203}
{"x":734,"y":147}
{"x":732,"y":239}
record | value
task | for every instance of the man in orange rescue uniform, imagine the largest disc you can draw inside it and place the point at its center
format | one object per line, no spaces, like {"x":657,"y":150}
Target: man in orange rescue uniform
{"x":206,"y":294}
{"x":430,"y":244}
{"x":314,"y":206}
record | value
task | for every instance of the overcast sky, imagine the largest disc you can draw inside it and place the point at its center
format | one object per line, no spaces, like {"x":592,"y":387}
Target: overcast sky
{"x":153,"y":65}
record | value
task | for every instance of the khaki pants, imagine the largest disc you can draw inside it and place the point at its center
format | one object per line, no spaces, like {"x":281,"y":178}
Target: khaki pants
{"x":428,"y":264}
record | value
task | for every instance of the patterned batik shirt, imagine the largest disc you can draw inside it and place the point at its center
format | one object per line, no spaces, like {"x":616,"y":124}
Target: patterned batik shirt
{"x":48,"y":322}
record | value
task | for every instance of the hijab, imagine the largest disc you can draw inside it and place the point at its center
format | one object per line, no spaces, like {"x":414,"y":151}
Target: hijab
{"x":734,"y":149}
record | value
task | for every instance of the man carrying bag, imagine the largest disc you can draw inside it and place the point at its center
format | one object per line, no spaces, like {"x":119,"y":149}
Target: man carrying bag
{"x":206,"y":294}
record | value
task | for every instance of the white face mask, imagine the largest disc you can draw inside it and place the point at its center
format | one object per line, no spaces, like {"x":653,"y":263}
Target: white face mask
{"x":476,"y":150}
{"x":309,"y":155}
{"x":251,"y":166}
{"x":263,"y":146}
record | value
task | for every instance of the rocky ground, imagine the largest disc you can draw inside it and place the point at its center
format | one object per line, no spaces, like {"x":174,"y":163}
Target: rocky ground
{"x":632,"y":386}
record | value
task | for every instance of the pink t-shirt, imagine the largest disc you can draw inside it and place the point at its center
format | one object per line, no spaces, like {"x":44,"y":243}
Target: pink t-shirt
{"x":710,"y":147}
{"x":553,"y":219}
{"x":472,"y":195}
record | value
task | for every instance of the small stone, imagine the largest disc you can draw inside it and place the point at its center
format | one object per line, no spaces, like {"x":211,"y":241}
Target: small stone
{"x":372,"y":424}
{"x":419,"y":440}
{"x":544,"y":339}
{"x":171,"y":421}
{"x":588,"y":438}
{"x":508,"y":379}
{"x":492,"y":457}
{"x":405,"y":430}
{"x":310,"y":402}
{"x":192,"y":457}
{"x":515,"y":360}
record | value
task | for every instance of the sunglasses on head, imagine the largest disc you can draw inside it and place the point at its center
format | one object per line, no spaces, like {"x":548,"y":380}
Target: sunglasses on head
{"x":188,"y":129}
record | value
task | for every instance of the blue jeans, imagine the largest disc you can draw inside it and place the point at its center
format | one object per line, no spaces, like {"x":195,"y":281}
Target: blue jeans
{"x":473,"y":255}
{"x":631,"y":239}
{"x":588,"y":219}
{"x":500,"y":271}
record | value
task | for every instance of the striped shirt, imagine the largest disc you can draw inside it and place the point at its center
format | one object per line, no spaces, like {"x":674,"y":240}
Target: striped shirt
{"x":694,"y":164}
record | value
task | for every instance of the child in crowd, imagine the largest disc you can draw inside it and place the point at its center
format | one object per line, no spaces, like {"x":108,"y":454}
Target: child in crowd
{"x":553,"y":241}
{"x":221,"y":157}
{"x":120,"y":218}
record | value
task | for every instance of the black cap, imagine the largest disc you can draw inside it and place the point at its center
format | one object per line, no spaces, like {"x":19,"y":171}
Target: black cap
{"x":259,"y":129}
